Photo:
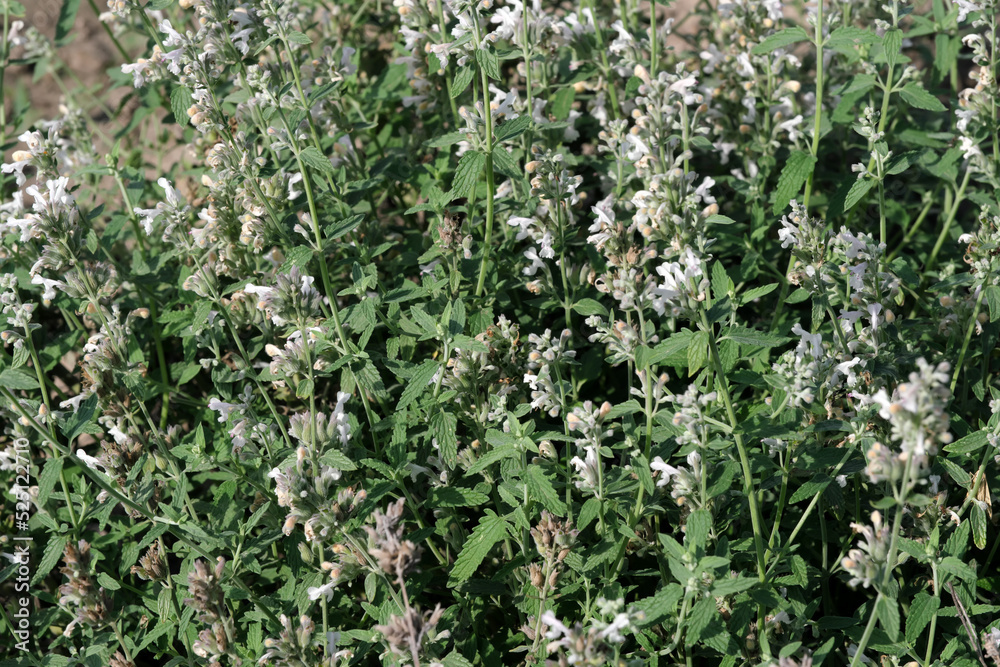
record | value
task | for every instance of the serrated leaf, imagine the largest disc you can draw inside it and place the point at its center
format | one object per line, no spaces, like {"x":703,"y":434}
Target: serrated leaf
{"x":793,"y":176}
{"x":699,"y":618}
{"x":47,"y":479}
{"x":18,"y":378}
{"x":858,"y":190}
{"x":756,"y":293}
{"x":53,"y":551}
{"x":467,"y":173}
{"x":443,"y":425}
{"x":487,"y":59}
{"x":923,"y":608}
{"x":491,"y":529}
{"x":813,"y":487}
{"x":969,"y":444}
{"x":892,"y":43}
{"x":698,"y":527}
{"x":697,"y":352}
{"x":746,"y":336}
{"x":978,"y":518}
{"x":588,"y":307}
{"x":417,"y":383}
{"x":542,"y":490}
{"x":992,"y":294}
{"x":661,"y":605}
{"x":107,"y":582}
{"x":848,"y":36}
{"x":781,"y":39}
{"x":311,"y":157}
{"x":77,"y":423}
{"x":296,"y":37}
{"x":888,"y":616}
{"x":916,"y":96}
{"x":337,"y":229}
{"x":455,"y":496}
{"x":180,"y":101}
{"x":504,"y":163}
{"x":463,"y":77}
{"x":491,"y":457}
{"x":513,"y":128}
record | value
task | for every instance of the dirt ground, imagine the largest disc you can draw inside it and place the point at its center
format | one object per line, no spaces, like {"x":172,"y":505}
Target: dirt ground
{"x":91,"y":53}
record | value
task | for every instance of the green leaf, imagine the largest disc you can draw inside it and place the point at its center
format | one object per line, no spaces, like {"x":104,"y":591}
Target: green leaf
{"x":992,"y":294}
{"x":487,"y":59}
{"x":756,"y":293}
{"x":781,"y":39}
{"x":542,"y":490}
{"x":513,"y":128}
{"x":719,"y":220}
{"x":337,"y":229}
{"x":455,"y":496}
{"x":18,"y":378}
{"x":699,"y":618}
{"x":311,"y":157}
{"x":858,"y":190}
{"x":813,"y":487}
{"x":417,"y":383}
{"x":504,"y":163}
{"x":180,"y":101}
{"x":793,"y":176}
{"x":47,"y":479}
{"x":491,"y":529}
{"x":79,"y":421}
{"x":916,"y":96}
{"x":978,"y":518}
{"x":296,"y":37}
{"x":463,"y":77}
{"x":67,"y":18}
{"x":660,"y":606}
{"x":467,"y":173}
{"x":892,"y":43}
{"x":588,"y":307}
{"x":922,"y":610}
{"x":888,"y":616}
{"x":753,"y":337}
{"x":970,"y":443}
{"x":698,"y":527}
{"x":107,"y":582}
{"x":491,"y":457}
{"x":697,"y":353}
{"x":443,"y":425}
{"x":846,"y":37}
{"x":53,"y":551}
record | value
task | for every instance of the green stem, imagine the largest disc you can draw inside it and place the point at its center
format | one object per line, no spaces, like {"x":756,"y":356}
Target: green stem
{"x":965,"y":343}
{"x":489,"y":184}
{"x":814,"y":148}
{"x":947,"y":223}
{"x":869,"y":628}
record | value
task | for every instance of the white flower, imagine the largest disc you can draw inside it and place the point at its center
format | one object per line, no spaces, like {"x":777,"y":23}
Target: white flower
{"x":326,"y":590}
{"x":224,"y":409}
{"x":49,"y":286}
{"x":965,"y":8}
{"x":969,"y":148}
{"x":136,"y":70}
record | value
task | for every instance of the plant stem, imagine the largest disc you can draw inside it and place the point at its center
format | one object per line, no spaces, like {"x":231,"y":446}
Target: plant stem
{"x":947,"y":223}
{"x":814,"y":147}
{"x":487,"y":240}
{"x":965,"y":343}
{"x":748,"y":486}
